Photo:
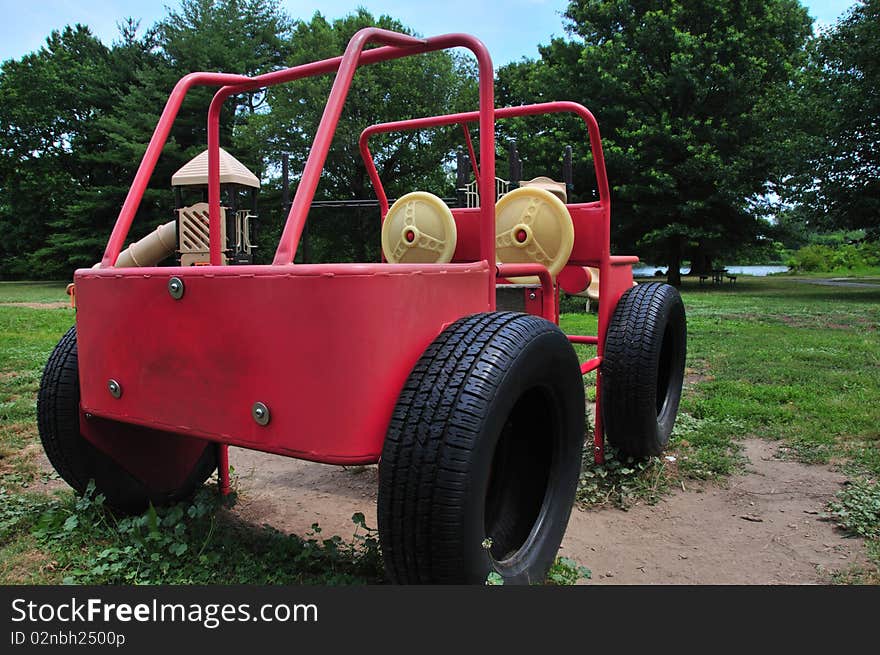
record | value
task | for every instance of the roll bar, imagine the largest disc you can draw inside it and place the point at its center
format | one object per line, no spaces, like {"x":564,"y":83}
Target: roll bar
{"x":393,"y":46}
{"x":463,"y":119}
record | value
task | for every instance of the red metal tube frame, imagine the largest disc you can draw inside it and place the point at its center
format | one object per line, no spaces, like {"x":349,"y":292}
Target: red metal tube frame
{"x":151,"y":156}
{"x":223,"y":468}
{"x":548,"y":296}
{"x":395,"y":46}
{"x":470,"y":117}
{"x":590,"y":340}
{"x":475,"y":164}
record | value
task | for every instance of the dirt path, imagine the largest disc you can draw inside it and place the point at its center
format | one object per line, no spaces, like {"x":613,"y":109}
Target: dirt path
{"x":836,"y":282}
{"x":36,"y":305}
{"x":763,"y":527}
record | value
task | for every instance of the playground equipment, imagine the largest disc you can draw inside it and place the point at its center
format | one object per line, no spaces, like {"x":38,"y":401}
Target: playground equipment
{"x":476,"y":416}
{"x":193,"y":222}
{"x":189,"y":234}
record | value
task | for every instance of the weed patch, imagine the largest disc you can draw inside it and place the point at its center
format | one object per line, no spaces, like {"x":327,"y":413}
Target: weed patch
{"x":856,"y":508}
{"x":621,"y":481}
{"x":198,"y":542}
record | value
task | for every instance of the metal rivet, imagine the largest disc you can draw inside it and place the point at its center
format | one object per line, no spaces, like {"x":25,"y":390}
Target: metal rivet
{"x":175,"y":288}
{"x":114,"y":388}
{"x":532,"y":295}
{"x":260,"y":413}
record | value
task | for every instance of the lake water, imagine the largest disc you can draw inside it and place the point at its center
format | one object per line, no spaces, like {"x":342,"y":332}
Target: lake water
{"x":758,"y":271}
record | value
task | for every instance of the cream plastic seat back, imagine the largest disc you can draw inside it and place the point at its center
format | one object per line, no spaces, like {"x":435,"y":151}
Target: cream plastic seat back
{"x":419,"y":229}
{"x":532,"y":225}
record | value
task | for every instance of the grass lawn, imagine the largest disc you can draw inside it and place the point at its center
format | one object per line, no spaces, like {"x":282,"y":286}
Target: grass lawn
{"x":767,"y":357}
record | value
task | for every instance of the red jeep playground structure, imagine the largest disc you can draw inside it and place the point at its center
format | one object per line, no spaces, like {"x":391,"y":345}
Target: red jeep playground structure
{"x":476,"y":416}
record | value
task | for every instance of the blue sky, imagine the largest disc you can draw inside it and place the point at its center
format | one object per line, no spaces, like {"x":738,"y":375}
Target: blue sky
{"x":511,"y":28}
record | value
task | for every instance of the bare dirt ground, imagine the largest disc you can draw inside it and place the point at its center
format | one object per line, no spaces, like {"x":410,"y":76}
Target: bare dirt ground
{"x":835,"y":282}
{"x":761,"y":527}
{"x":36,"y":305}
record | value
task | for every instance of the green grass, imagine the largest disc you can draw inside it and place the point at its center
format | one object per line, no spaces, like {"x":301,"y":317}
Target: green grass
{"x":791,"y":361}
{"x":767,"y":357}
{"x":33,"y":292}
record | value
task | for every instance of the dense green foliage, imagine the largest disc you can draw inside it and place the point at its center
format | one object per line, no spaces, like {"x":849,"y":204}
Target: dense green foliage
{"x":431,"y":84}
{"x":729,"y":127}
{"x":79,"y":115}
{"x":836,"y":181}
{"x":690,"y":96}
{"x":842,"y":257}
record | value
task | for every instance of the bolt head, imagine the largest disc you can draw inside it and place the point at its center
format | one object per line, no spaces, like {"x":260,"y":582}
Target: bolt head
{"x":260,"y":413}
{"x":114,"y":388}
{"x":176,"y":288}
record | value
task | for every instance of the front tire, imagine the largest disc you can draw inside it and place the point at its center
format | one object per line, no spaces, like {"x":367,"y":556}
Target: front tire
{"x":481,"y":461}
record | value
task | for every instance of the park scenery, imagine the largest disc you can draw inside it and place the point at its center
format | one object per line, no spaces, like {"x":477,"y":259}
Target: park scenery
{"x":740,"y":141}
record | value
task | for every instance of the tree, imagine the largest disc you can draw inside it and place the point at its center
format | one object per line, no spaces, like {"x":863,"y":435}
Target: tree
{"x":837,"y":185}
{"x":48,"y":123}
{"x":249,"y":37}
{"x":691,"y":99}
{"x":78,"y":116}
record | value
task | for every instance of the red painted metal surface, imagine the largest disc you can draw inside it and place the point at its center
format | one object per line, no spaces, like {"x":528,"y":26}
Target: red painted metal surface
{"x":590,"y":365}
{"x":326,"y":347}
{"x":574,"y":279}
{"x":223,"y":468}
{"x":475,"y":164}
{"x":534,"y":301}
{"x":588,"y":340}
{"x":162,"y":461}
{"x":549,"y":308}
{"x":467,"y":223}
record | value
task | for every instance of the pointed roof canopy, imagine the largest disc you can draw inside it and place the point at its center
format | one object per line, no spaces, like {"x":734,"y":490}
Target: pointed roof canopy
{"x":232,"y":171}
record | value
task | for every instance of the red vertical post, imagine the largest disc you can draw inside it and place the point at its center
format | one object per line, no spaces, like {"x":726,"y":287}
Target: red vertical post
{"x":214,"y":229}
{"x":223,"y":468}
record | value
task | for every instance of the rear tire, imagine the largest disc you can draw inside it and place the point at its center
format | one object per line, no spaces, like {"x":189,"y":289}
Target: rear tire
{"x":643,"y":369}
{"x":485,"y":443}
{"x":77,"y":461}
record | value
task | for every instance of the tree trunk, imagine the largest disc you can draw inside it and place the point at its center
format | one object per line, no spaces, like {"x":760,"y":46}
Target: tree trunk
{"x":701,"y":261}
{"x":673,"y":275}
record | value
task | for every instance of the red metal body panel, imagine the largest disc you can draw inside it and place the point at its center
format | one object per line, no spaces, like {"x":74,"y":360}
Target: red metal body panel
{"x":467,"y":224}
{"x":326,"y":347}
{"x":161,"y":460}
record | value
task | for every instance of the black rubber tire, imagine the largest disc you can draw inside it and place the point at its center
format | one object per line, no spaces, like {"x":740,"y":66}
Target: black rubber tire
{"x":643,"y":369}
{"x":76,"y":460}
{"x":485,"y":442}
